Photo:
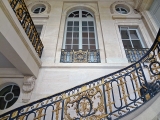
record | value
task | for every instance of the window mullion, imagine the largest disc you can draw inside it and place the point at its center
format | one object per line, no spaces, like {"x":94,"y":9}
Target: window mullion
{"x":130,"y":37}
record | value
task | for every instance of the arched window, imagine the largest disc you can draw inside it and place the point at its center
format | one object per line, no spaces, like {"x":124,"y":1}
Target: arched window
{"x":80,"y":32}
{"x":80,"y":40}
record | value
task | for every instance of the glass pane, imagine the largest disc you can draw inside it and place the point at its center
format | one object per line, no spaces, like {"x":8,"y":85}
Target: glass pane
{"x":70,"y":23}
{"x":92,"y":41}
{"x":37,"y":10}
{"x":137,"y":44}
{"x":84,"y":29}
{"x":69,"y":28}
{"x":69,"y":34}
{"x":71,"y":15}
{"x":84,"y":13}
{"x":11,"y":102}
{"x":75,"y":47}
{"x":16,"y":90}
{"x":42,"y":9}
{"x":76,"y":14}
{"x":124,"y":34}
{"x":68,"y":41}
{"x":84,"y":35}
{"x":68,"y":47}
{"x":85,"y":41}
{"x":127,"y":44}
{"x":75,"y":41}
{"x":91,"y":28}
{"x":133,"y":34}
{"x":85,"y":47}
{"x":5,"y":90}
{"x":76,"y":28}
{"x":123,"y":11}
{"x":91,"y":35}
{"x":76,"y":23}
{"x":84,"y":23}
{"x":90,"y":23}
{"x":76,"y":35}
{"x":117,"y":9}
{"x":92,"y":47}
{"x":2,"y":103}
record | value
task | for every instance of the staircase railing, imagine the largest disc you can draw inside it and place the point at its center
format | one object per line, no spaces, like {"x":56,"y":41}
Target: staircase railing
{"x":26,"y":22}
{"x":109,"y":97}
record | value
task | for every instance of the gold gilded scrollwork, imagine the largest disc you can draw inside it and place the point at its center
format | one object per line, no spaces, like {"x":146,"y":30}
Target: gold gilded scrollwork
{"x":40,"y":114}
{"x":57,"y":109}
{"x":4,"y":118}
{"x":80,"y":56}
{"x":134,"y":78}
{"x":84,"y":104}
{"x":14,"y":114}
{"x":109,"y":103}
{"x":123,"y":90}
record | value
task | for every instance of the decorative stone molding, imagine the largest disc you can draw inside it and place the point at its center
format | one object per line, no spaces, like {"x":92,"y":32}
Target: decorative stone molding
{"x":142,"y":5}
{"x":36,"y":3}
{"x":80,"y":6}
{"x":123,"y":3}
{"x":28,"y":86}
{"x":132,"y":14}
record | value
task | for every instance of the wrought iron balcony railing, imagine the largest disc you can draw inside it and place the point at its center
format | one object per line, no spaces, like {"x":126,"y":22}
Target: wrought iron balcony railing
{"x":80,"y":56}
{"x":25,"y":20}
{"x":109,"y":97}
{"x":134,"y":55}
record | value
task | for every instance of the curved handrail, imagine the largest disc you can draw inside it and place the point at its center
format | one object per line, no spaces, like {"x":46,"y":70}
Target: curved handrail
{"x":112,"y":96}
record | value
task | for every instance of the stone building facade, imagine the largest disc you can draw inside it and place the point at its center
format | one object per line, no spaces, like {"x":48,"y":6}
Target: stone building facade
{"x":112,"y":25}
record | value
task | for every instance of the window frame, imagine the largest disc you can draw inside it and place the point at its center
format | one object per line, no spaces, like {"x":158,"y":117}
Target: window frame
{"x":40,"y":9}
{"x":80,"y":19}
{"x":129,"y":28}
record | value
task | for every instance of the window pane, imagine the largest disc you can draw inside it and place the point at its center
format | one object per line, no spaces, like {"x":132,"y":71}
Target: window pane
{"x":3,"y":103}
{"x":92,"y":47}
{"x":137,"y":44}
{"x":133,"y":34}
{"x":16,"y":90}
{"x":68,"y":41}
{"x":42,"y":9}
{"x":124,"y":34}
{"x":75,"y":41}
{"x":84,"y":29}
{"x":69,"y":28}
{"x":90,"y":23}
{"x":84,"y":35}
{"x":91,"y":35}
{"x":76,"y":23}
{"x":76,"y":35}
{"x":91,"y":28}
{"x":75,"y":47}
{"x":84,"y":23}
{"x":127,"y":44}
{"x":11,"y":102}
{"x":92,"y":41}
{"x":76,"y":28}
{"x":69,"y":34}
{"x":123,"y":11}
{"x":85,"y":41}
{"x":85,"y":47}
{"x":70,"y":23}
{"x":5,"y":90}
{"x":68,"y":47}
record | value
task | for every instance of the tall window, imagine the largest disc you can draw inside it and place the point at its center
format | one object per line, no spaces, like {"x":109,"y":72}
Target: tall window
{"x":131,"y":37}
{"x":132,"y":42}
{"x":80,"y":32}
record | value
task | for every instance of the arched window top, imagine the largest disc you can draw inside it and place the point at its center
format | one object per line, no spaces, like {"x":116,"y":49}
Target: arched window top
{"x":80,"y":14}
